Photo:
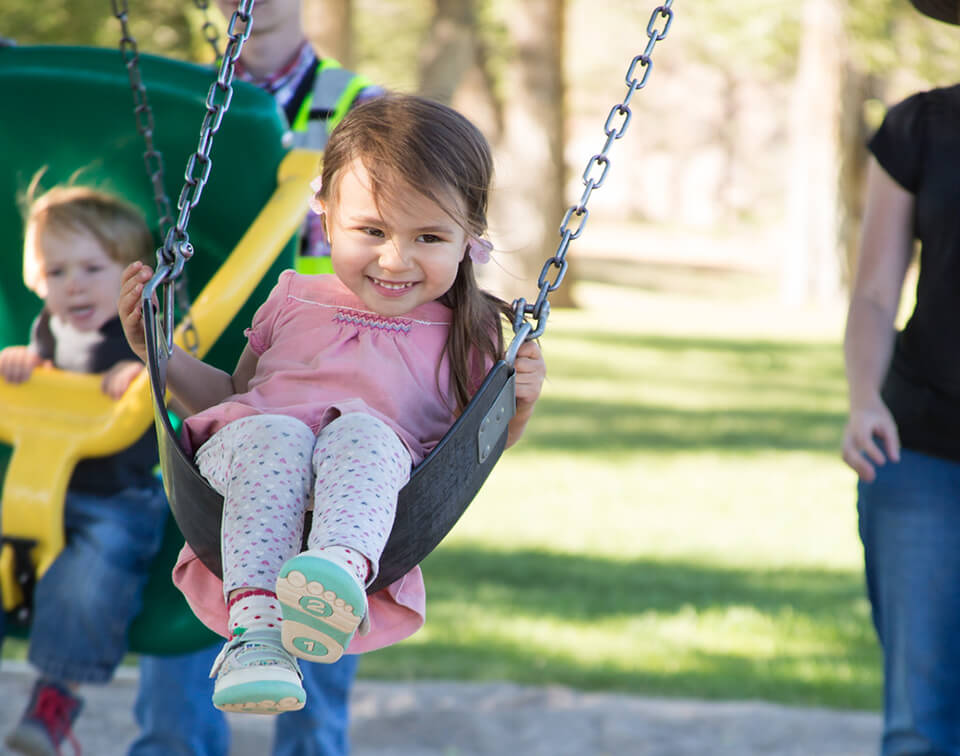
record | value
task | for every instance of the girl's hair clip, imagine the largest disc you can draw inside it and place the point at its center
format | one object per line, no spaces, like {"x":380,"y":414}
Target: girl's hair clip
{"x":479,"y":250}
{"x":315,"y":204}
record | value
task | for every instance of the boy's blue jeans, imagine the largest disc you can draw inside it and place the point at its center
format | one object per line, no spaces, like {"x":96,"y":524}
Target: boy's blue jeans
{"x":86,"y":600}
{"x":910,"y":528}
{"x":175,"y":715}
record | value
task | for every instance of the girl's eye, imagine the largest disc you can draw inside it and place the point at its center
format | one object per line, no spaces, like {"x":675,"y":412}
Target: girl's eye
{"x":370,"y":231}
{"x":54,"y":273}
{"x":430,"y":239}
{"x":94,"y":269}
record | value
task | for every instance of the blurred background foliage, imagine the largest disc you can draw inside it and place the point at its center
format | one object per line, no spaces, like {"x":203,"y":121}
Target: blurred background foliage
{"x":759,"y":106}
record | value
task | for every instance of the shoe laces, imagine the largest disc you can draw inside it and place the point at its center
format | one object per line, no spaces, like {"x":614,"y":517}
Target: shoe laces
{"x":253,"y":649}
{"x":55,"y":710}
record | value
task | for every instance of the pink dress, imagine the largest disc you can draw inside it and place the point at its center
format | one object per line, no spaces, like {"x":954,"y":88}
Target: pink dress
{"x":322,"y":354}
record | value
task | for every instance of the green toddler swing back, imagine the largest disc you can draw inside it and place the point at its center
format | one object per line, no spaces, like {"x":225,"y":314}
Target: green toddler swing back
{"x":69,"y":111}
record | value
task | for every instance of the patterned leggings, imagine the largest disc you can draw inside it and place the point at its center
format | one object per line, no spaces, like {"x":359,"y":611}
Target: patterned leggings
{"x":270,"y":468}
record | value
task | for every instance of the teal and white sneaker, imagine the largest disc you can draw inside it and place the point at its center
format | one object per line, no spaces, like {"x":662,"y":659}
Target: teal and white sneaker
{"x":323,"y":604}
{"x":255,"y":675}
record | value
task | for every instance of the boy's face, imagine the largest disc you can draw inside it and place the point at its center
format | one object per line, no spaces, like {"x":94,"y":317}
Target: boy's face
{"x":82,"y":281}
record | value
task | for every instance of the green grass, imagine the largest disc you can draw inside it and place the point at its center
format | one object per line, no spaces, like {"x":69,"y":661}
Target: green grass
{"x":676,"y":521}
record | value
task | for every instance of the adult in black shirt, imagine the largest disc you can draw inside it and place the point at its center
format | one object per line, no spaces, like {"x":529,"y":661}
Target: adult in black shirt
{"x":903,"y":434}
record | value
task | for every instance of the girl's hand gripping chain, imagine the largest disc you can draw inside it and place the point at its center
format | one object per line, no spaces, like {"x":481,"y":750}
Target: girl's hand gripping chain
{"x":135,"y":276}
{"x":531,"y":370}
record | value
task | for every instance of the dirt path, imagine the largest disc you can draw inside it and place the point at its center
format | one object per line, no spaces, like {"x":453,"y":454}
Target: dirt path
{"x":501,"y":719}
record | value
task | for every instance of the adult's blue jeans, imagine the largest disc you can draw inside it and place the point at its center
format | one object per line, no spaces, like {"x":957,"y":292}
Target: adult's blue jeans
{"x":177,"y":718}
{"x":84,"y":603}
{"x":910,"y":528}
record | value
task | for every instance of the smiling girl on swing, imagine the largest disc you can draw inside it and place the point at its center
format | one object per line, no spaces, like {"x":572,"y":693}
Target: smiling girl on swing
{"x":347,"y":381}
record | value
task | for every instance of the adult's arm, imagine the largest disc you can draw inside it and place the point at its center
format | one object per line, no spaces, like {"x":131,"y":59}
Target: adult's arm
{"x":886,"y":247}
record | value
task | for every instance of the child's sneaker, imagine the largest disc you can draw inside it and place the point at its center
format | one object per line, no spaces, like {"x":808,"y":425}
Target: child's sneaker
{"x":323,"y":603}
{"x":255,"y":675}
{"x":47,"y":722}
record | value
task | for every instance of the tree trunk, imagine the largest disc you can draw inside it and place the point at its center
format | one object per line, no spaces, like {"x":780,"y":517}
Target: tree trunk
{"x":813,"y":249}
{"x":859,"y":89}
{"x":453,"y":65}
{"x":530,"y":202}
{"x":328,"y":26}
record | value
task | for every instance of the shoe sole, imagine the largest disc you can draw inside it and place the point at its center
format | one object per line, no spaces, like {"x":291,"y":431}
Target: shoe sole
{"x":320,"y":602}
{"x":260,"y":698}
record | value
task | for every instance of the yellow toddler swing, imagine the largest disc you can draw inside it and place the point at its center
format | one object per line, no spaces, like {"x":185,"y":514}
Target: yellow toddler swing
{"x":74,"y":115}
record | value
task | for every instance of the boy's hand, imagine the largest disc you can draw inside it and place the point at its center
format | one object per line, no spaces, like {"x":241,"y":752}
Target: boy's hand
{"x":18,"y":362}
{"x":118,"y":378}
{"x":128,"y":306}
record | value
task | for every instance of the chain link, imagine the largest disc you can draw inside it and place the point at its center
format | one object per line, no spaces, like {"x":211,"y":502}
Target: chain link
{"x":218,"y":100}
{"x":176,"y":249}
{"x":143,"y":113}
{"x":153,"y":161}
{"x":615,"y":126}
{"x":209,"y":29}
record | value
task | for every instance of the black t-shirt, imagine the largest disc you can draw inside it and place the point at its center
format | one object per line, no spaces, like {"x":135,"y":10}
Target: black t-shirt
{"x":918,"y":144}
{"x":96,"y":352}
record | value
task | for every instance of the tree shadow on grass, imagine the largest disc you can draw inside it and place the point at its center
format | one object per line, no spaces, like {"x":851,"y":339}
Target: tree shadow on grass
{"x":582,"y":590}
{"x":782,"y":395}
{"x":599,"y":427}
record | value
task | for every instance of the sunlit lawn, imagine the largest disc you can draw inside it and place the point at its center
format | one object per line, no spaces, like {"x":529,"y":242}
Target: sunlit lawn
{"x":676,"y":521}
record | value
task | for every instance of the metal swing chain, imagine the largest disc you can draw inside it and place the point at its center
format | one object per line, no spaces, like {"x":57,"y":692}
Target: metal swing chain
{"x":143,"y":114}
{"x":176,"y":248}
{"x":209,"y":29}
{"x":615,"y":127}
{"x":153,"y":158}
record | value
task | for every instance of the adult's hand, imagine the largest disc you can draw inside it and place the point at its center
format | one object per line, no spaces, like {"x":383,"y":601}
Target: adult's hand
{"x":870,"y":439}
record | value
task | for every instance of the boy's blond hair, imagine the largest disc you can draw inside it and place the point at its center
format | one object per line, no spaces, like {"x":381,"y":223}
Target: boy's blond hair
{"x":67,"y":210}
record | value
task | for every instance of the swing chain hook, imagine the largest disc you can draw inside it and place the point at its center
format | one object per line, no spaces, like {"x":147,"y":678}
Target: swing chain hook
{"x":614,"y":128}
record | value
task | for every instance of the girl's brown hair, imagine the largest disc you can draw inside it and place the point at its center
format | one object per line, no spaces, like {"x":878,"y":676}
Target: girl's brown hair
{"x":409,"y":141}
{"x":118,"y":227}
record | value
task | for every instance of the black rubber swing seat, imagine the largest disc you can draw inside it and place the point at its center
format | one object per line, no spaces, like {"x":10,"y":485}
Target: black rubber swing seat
{"x":438,"y":493}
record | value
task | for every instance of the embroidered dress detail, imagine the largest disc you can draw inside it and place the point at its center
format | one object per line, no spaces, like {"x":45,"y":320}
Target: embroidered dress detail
{"x":360,"y":314}
{"x":373,"y":321}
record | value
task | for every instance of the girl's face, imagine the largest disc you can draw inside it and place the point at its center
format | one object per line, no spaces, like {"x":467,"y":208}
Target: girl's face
{"x":393,"y":258}
{"x":82,"y":282}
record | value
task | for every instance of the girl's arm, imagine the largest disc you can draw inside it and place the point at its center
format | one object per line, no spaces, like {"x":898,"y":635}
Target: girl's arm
{"x":530,"y":372}
{"x":886,"y":247}
{"x":194,"y":384}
